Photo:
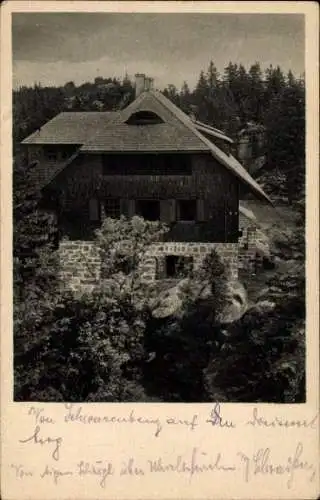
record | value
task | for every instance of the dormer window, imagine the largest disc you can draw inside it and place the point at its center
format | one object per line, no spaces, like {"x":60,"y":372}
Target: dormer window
{"x":144,"y":118}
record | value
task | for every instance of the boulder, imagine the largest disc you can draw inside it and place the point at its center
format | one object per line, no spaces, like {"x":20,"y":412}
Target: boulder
{"x":169,"y":302}
{"x":262,"y":307}
{"x":236,"y":303}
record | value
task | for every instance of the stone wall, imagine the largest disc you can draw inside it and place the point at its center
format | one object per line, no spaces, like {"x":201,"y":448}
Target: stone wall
{"x":252,"y":244}
{"x":80,"y":264}
{"x":247,"y":242}
{"x":198,"y":251}
{"x":80,"y":261}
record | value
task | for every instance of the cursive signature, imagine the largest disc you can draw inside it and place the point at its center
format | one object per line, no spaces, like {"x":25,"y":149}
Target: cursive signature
{"x":262,"y":463}
{"x":36,"y":438}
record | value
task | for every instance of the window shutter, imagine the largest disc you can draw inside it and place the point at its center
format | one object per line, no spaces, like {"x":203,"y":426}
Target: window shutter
{"x":124,"y":207}
{"x":165,"y":211}
{"x":200,"y":211}
{"x":172,"y":211}
{"x":131,"y":208}
{"x":94,"y":210}
{"x":168,"y":211}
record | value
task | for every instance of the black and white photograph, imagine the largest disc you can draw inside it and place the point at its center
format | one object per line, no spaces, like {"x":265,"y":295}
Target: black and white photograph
{"x":158,"y":205}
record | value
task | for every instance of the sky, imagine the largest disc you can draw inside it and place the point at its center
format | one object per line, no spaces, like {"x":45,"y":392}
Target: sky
{"x":54,"y":48}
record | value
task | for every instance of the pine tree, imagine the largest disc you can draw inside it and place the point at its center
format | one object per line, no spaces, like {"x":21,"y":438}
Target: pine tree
{"x":185,"y":98}
{"x":285,"y":133}
{"x":256,"y":93}
{"x":274,"y":84}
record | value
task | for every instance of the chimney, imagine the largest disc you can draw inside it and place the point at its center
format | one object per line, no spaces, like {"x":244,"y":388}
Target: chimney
{"x":143,"y":83}
{"x":148,"y":84}
{"x":140,"y":83}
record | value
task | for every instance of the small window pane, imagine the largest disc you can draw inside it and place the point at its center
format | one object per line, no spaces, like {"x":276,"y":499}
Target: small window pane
{"x":187,"y":210}
{"x":51,"y":154}
{"x":148,"y":209}
{"x":94,"y":210}
{"x":178,"y":266}
{"x":112,"y":208}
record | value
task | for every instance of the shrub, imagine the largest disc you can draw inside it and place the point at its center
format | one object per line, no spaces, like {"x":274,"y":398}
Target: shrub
{"x":91,"y":347}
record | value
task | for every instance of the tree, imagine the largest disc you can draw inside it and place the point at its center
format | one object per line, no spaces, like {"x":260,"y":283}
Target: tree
{"x":285,"y":135}
{"x":91,"y":347}
{"x":274,"y":85}
{"x":184,"y":342}
{"x":291,"y":80}
{"x":212,"y":76}
{"x":256,"y":92}
{"x":171,"y":93}
{"x":186,"y":100}
{"x":264,"y":359}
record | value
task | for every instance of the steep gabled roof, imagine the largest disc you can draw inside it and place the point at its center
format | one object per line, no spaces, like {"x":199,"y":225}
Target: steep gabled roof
{"x":171,"y":135}
{"x":71,"y":127}
{"x":106,"y":132}
{"x":227,"y":161}
{"x":161,"y":137}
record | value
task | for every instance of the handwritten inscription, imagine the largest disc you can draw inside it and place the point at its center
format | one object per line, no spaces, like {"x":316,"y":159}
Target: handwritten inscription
{"x":217,"y":420}
{"x":37,"y":438}
{"x":258,"y":420}
{"x":191,"y":424}
{"x":21,"y":471}
{"x":246,"y":466}
{"x":100,"y":469}
{"x":261,"y":463}
{"x":40,"y":417}
{"x":77,"y":414}
{"x":197,"y":462}
{"x":129,"y":468}
{"x":54,"y":473}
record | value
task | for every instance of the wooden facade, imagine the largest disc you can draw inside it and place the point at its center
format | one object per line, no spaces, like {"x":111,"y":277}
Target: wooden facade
{"x":196,"y":197}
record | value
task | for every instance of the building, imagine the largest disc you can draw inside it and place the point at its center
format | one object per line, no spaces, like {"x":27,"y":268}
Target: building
{"x":149,"y":159}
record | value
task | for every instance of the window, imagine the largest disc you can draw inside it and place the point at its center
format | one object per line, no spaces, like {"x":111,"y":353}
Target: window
{"x":94,"y":210}
{"x":59,"y":153}
{"x":186,"y":210}
{"x":66,"y":152}
{"x":51,"y":154}
{"x":148,"y":209}
{"x":147,"y":164}
{"x":144,"y":118}
{"x":112,"y":208}
{"x":178,"y":267}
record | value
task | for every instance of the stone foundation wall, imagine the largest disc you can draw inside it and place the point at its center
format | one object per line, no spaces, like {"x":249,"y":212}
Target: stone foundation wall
{"x":252,"y":238}
{"x":80,"y":261}
{"x":198,"y":251}
{"x":247,"y":244}
{"x":80,"y":264}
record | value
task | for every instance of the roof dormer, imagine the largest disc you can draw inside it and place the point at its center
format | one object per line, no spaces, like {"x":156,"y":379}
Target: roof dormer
{"x":144,"y":117}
